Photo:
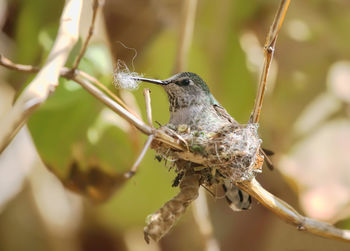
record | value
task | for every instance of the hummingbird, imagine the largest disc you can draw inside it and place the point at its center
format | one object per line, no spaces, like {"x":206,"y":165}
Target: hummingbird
{"x":191,"y":103}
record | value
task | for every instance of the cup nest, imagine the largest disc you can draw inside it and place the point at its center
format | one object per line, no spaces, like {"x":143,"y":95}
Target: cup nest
{"x":229,"y":153}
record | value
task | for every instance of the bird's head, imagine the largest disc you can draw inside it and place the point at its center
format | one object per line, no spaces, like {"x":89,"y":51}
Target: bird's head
{"x":184,"y":89}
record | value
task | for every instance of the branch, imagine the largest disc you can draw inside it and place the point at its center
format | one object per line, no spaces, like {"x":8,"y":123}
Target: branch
{"x":46,"y":80}
{"x":104,"y":88}
{"x":201,"y":215}
{"x":139,"y":124}
{"x":132,"y":172}
{"x":68,"y":74}
{"x":83,"y":78}
{"x":186,"y":31}
{"x":269,"y":50}
{"x":290,"y":215}
{"x":96,"y":5}
{"x":17,"y":67}
{"x":137,"y":163}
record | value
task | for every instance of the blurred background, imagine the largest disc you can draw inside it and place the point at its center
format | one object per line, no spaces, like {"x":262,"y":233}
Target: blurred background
{"x":61,"y":185}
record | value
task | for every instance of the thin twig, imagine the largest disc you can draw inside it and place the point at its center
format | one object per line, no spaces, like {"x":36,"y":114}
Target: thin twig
{"x":138,"y":123}
{"x":46,"y":80}
{"x":96,"y":5}
{"x":17,"y":67}
{"x":267,"y":159}
{"x":106,"y":90}
{"x":97,"y":93}
{"x":146,"y":93}
{"x":201,"y":215}
{"x":269,"y":50}
{"x":79,"y":78}
{"x":140,"y":158}
{"x":66,"y":72}
{"x":186,"y":31}
{"x":290,"y":215}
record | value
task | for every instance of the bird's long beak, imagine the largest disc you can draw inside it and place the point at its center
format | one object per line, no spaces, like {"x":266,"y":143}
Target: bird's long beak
{"x":154,"y":81}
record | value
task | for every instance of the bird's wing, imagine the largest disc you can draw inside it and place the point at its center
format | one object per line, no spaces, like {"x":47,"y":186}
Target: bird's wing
{"x":221,"y":112}
{"x":237,"y":199}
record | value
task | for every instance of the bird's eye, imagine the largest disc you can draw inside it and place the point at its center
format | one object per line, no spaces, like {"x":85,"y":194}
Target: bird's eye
{"x":183,"y":82}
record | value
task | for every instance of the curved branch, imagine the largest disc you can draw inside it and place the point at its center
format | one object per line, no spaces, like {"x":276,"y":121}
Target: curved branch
{"x":84,"y":79}
{"x":139,"y":124}
{"x":290,"y":215}
{"x":68,"y":74}
{"x":46,"y":80}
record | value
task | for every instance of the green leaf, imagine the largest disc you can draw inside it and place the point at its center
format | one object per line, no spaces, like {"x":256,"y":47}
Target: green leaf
{"x":80,"y":142}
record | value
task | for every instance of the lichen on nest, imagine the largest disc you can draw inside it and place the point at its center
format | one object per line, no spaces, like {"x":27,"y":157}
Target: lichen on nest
{"x":230,"y":153}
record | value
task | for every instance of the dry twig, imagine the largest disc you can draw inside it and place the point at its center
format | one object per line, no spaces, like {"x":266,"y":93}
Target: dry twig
{"x":137,"y":163}
{"x":82,"y":79}
{"x":290,"y":215}
{"x":139,"y":158}
{"x":46,"y":80}
{"x":96,"y":5}
{"x":102,"y":87}
{"x":97,"y":93}
{"x":202,"y":217}
{"x":67,"y":73}
{"x":269,"y":50}
{"x":186,"y":31}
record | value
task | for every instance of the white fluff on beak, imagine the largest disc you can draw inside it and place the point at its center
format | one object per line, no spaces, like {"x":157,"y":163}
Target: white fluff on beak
{"x":124,"y":78}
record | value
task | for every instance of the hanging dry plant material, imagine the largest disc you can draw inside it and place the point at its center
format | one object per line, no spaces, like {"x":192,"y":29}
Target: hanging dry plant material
{"x":159,"y":223}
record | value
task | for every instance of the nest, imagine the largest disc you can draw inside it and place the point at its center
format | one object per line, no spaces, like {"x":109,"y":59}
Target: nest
{"x":229,"y":153}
